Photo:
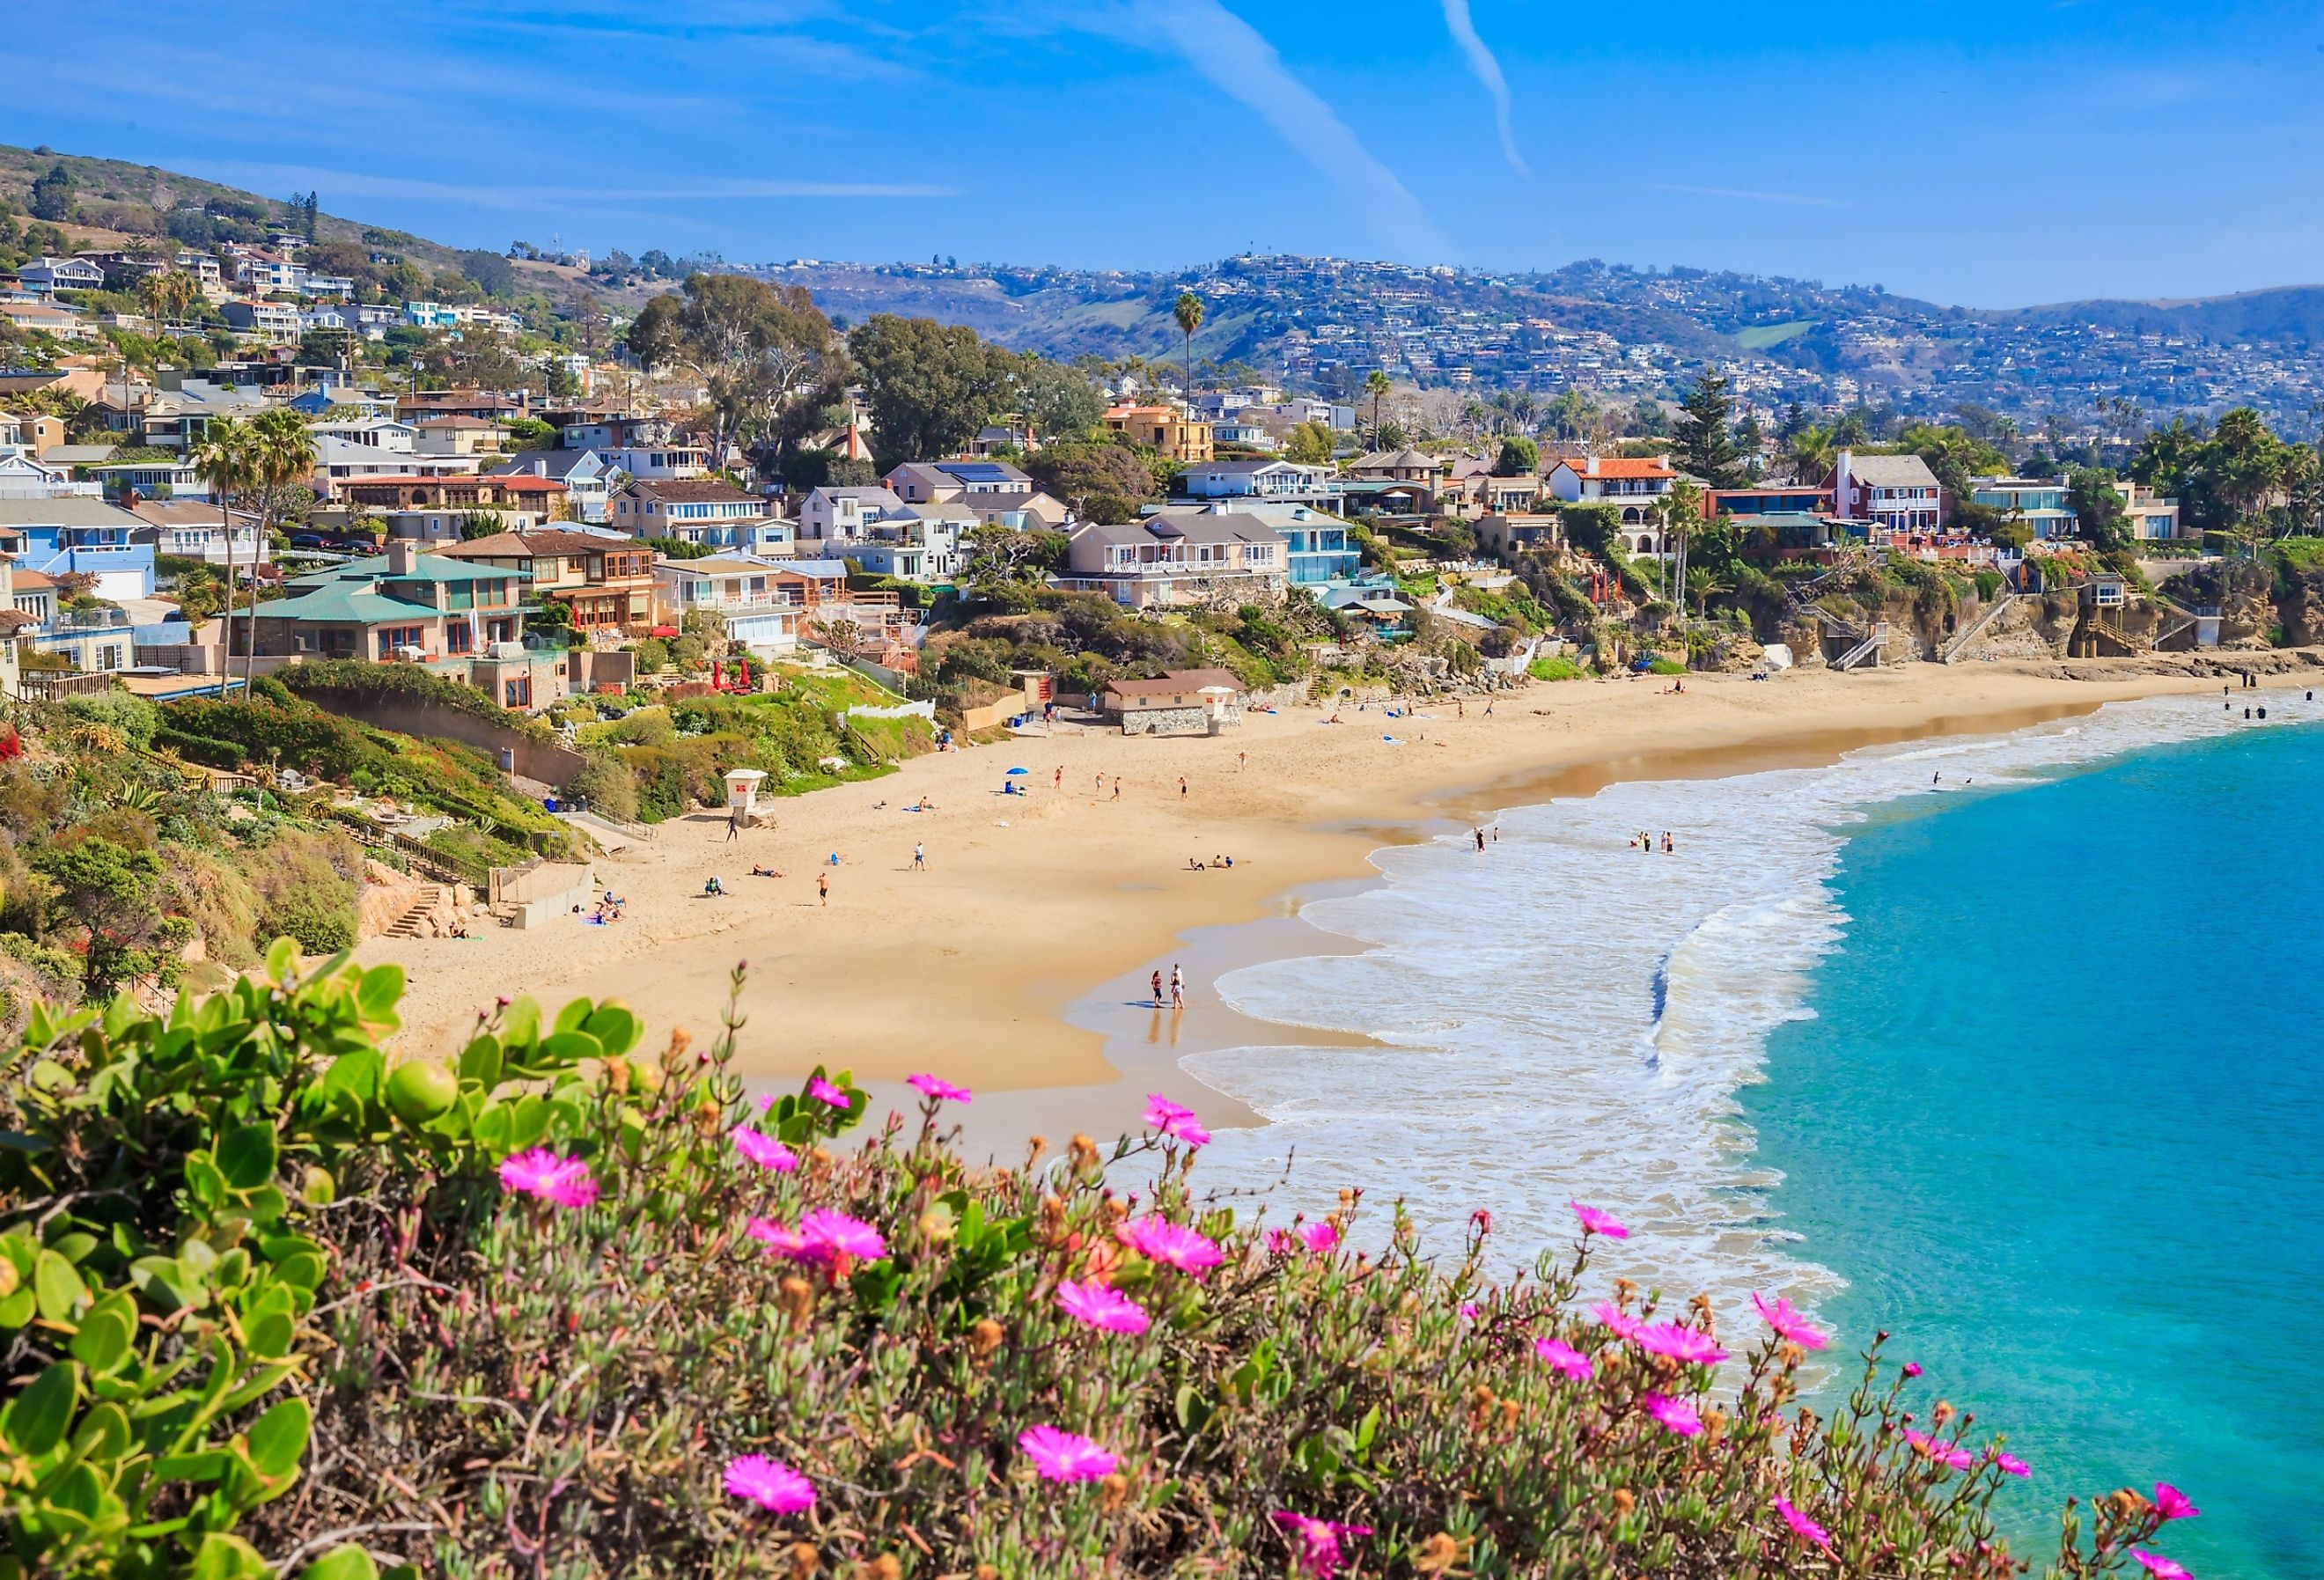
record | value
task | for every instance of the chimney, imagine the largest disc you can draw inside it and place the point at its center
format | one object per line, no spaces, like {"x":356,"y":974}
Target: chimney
{"x":403,"y":556}
{"x":1589,"y":467}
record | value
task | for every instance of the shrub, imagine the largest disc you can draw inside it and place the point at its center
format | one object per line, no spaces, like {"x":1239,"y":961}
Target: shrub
{"x":611,"y":1289}
{"x":1555,"y":669}
{"x":134,"y":717}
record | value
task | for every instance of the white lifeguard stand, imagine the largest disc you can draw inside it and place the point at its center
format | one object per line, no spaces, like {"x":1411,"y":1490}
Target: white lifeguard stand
{"x":743,"y":795}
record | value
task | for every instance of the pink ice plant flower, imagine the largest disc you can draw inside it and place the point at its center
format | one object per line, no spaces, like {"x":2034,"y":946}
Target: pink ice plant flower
{"x":1598,"y":1221}
{"x":1621,"y":1322}
{"x":771,"y":1484}
{"x":1158,"y":1239}
{"x":1675,"y":1415}
{"x":1064,"y":1456}
{"x":1787,"y":1322}
{"x":2160,"y":1567}
{"x":823,"y":1091}
{"x":941,"y":1090}
{"x":1100,"y":1307}
{"x":2173,"y":1504}
{"x":1943,"y":1453}
{"x":831,"y":1236}
{"x":542,"y":1174}
{"x":1317,"y":1542}
{"x":1805,"y":1529}
{"x":1690,"y":1346}
{"x":1563,"y":1358}
{"x":1321,"y":1236}
{"x":2010,"y":1464}
{"x":1468,"y":1311}
{"x":763,"y":1149}
{"x":780,"y":1239}
{"x":1280,"y":1242}
{"x":1174,"y":1120}
{"x":1912,"y":1367}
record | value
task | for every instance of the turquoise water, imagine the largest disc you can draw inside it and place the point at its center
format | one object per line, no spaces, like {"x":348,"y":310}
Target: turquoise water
{"x":2057,"y":1121}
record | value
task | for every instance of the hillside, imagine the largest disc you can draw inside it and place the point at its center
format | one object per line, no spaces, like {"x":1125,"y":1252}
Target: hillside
{"x":1321,"y":323}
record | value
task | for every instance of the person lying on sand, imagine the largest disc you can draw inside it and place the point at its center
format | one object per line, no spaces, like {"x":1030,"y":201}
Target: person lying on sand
{"x":759,"y":871}
{"x":1195,"y":864}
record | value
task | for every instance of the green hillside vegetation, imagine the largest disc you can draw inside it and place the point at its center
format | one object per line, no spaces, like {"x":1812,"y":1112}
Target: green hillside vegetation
{"x":1760,"y":337}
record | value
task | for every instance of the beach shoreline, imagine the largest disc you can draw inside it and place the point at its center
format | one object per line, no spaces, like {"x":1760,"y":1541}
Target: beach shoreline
{"x":1010,"y":965}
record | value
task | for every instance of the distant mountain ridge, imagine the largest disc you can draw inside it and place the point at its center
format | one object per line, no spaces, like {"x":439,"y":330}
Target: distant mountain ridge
{"x":1624,"y":331}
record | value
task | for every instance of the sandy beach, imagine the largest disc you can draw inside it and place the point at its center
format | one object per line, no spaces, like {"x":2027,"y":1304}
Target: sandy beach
{"x":1017,"y":961}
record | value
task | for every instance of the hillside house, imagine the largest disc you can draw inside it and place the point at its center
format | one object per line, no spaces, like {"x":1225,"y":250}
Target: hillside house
{"x":1897,"y":494}
{"x":1190,"y":557}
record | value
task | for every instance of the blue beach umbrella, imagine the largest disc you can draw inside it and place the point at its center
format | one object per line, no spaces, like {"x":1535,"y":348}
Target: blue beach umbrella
{"x":1014,"y":771}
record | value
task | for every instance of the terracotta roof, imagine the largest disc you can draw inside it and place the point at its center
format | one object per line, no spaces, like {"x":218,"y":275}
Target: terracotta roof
{"x":33,"y":581}
{"x":1617,"y":466}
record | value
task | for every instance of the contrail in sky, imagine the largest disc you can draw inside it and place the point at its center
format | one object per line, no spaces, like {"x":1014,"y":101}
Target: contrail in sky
{"x":1487,"y":71}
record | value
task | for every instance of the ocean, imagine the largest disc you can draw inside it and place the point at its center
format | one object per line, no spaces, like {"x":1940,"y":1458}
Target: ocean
{"x":2002,"y":1043}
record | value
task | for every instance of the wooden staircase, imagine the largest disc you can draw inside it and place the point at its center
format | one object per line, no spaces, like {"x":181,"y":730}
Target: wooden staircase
{"x":1868,"y":649}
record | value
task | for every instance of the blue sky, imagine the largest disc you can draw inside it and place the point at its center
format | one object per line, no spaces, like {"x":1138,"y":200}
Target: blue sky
{"x":1981,"y":153}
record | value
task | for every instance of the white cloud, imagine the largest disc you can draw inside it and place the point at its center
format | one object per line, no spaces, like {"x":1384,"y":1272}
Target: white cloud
{"x":1237,"y":59}
{"x":1487,"y":71}
{"x":1744,"y":195}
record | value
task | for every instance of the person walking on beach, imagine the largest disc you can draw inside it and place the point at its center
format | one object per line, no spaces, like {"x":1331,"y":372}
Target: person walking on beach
{"x":1117,"y":787}
{"x":919,"y":857}
{"x":1480,"y":833}
{"x":1242,"y":758}
{"x":1177,"y":988}
{"x":1060,"y":776}
{"x":1158,"y":987}
{"x":1181,"y":787}
{"x":823,"y":887}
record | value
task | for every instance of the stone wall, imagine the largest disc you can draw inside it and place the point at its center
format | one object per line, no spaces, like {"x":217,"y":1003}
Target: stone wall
{"x":1167,"y":721}
{"x":534,"y":760}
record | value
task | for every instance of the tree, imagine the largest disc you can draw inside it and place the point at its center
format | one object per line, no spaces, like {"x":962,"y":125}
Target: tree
{"x":1082,"y":474}
{"x":2098,"y":508}
{"x":2243,"y":464}
{"x":930,"y":386}
{"x":51,"y":197}
{"x":1055,"y":400}
{"x":1750,"y":441}
{"x":1310,"y":444}
{"x":226,"y":457}
{"x":1706,"y":446}
{"x":493,"y":275}
{"x":169,"y":293}
{"x":1189,"y":312}
{"x":1376,"y":388}
{"x":767,"y":354}
{"x":281,"y":456}
{"x":1519,"y":458}
{"x":111,"y":893}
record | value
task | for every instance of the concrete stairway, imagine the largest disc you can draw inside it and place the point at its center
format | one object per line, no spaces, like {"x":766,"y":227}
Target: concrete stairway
{"x":1962,"y":643}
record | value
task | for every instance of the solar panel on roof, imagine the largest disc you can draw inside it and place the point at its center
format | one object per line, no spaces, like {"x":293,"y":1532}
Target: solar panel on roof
{"x":975,"y":471}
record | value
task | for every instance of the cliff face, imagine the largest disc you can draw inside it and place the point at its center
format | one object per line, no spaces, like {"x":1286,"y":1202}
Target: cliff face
{"x":2300,"y":607}
{"x":2243,"y":591}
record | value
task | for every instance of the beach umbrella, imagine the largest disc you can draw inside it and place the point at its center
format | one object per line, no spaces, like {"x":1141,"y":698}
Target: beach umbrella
{"x":1015,"y":771}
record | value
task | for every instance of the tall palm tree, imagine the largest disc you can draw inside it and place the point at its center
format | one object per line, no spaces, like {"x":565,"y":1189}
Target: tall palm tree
{"x":1188,"y":311}
{"x":1376,"y":391}
{"x":226,"y":457}
{"x":282,"y":455}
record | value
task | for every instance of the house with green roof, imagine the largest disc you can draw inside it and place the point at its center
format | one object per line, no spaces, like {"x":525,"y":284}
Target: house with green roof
{"x":400,"y":604}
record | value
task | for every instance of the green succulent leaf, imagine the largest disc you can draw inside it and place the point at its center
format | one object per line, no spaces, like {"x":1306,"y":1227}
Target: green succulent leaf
{"x":248,"y":1155}
{"x":34,"y":1422}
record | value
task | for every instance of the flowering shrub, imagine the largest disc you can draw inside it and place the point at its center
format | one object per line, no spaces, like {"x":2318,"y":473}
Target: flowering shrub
{"x":272,"y":1305}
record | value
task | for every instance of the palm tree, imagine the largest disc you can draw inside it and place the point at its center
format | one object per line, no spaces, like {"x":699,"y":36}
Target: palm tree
{"x":282,"y":454}
{"x":167,"y":293}
{"x":1189,"y":314}
{"x":1376,"y":391}
{"x":226,"y":460}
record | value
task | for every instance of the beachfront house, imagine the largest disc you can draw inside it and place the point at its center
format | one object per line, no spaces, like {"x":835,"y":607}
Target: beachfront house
{"x":400,"y":604}
{"x":1897,"y":494}
{"x":1634,"y":487}
{"x":1181,"y":702}
{"x":1178,"y":557}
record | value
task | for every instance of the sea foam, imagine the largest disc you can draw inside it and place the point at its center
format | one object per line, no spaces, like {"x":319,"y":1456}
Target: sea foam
{"x":1565,"y":1017}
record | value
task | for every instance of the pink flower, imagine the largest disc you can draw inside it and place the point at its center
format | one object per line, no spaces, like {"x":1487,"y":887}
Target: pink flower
{"x":1158,"y":1239}
{"x":1597,"y":1220}
{"x":2172,"y":1504}
{"x":833,"y":1236}
{"x":1564,"y":1357}
{"x":1107,"y":1309}
{"x":1174,"y":1120}
{"x":1943,"y":1453}
{"x":1315,"y":1541}
{"x":942,"y":1091}
{"x":541,"y":1173}
{"x":823,"y":1091}
{"x":2010,"y":1465}
{"x":1468,"y":1311}
{"x":1912,"y":1367}
{"x":1064,"y":1456}
{"x":1278,"y":1242}
{"x":2160,"y":1567}
{"x":778,"y":1239}
{"x":1788,"y":1324}
{"x":1687,"y":1346}
{"x":1321,"y":1236}
{"x":1618,"y":1321}
{"x":771,"y":1484}
{"x":763,"y":1149}
{"x":1674,"y":1414}
{"x":1805,"y":1529}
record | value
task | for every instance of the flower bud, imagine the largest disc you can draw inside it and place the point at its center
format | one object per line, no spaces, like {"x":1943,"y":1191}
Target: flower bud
{"x":1625,"y":1501}
{"x":1437,"y":1553}
{"x":797,"y":1298}
{"x":1942,"y":1413}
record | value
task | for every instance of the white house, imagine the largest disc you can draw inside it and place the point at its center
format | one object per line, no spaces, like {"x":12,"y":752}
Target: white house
{"x":1634,"y":488}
